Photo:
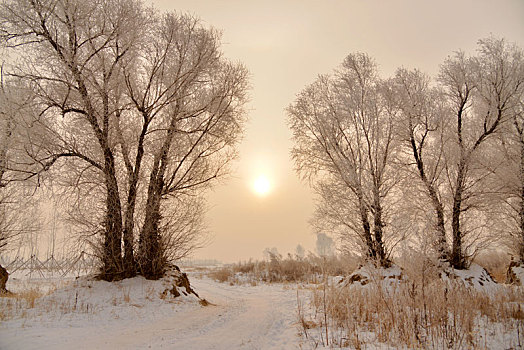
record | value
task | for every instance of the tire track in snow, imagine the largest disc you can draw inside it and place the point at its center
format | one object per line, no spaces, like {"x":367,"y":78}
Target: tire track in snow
{"x":260,"y":317}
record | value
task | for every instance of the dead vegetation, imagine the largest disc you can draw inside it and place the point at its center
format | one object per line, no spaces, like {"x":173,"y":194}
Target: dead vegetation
{"x":277,"y":269}
{"x":496,"y":263}
{"x":420,"y":311}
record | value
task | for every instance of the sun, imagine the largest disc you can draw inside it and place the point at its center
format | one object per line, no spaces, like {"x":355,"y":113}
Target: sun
{"x":261,"y":185}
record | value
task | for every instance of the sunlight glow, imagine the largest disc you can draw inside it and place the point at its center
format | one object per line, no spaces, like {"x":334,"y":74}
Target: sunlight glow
{"x":261,"y":186}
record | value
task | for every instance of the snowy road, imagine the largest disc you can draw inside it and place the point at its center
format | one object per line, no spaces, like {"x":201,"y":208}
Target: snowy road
{"x":260,"y":317}
{"x":242,"y":317}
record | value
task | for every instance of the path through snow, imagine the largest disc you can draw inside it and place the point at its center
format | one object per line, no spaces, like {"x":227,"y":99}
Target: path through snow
{"x":242,"y":317}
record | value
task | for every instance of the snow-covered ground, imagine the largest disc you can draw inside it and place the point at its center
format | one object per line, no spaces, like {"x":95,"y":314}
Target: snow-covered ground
{"x":130,"y":315}
{"x":140,"y":314}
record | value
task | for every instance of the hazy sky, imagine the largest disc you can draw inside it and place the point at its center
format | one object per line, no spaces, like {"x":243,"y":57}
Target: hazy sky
{"x":285,"y":45}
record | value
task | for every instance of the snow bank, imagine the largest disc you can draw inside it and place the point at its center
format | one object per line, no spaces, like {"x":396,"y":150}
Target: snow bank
{"x":366,"y":274}
{"x":88,"y":298}
{"x":475,"y":277}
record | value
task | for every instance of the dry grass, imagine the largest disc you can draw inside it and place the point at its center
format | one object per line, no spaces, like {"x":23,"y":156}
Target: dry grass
{"x":126,"y":296}
{"x":310,"y":269}
{"x":423,"y":312}
{"x":222,"y":274}
{"x":18,"y":303}
{"x":496,"y":263}
{"x":30,"y":301}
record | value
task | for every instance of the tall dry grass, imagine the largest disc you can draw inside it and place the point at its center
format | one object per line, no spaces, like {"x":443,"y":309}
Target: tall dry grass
{"x":423,"y":311}
{"x":278,"y":269}
{"x":18,"y":303}
{"x":496,"y":263}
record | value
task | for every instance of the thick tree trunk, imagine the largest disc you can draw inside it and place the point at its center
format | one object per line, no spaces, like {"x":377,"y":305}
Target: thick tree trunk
{"x":151,"y":255}
{"x":521,"y":213}
{"x":457,"y":257}
{"x":4,"y":275}
{"x":441,"y":242}
{"x":112,"y":268}
{"x":378,"y":232}
{"x":152,"y":261}
{"x":129,"y":223}
{"x":366,"y":227}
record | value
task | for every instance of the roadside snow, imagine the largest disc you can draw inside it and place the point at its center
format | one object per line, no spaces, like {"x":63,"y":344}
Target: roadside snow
{"x":131,"y":315}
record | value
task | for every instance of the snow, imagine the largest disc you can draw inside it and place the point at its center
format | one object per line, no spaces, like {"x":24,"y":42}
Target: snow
{"x":137,"y":314}
{"x":475,"y":277}
{"x":130,"y":314}
{"x":365,"y":275}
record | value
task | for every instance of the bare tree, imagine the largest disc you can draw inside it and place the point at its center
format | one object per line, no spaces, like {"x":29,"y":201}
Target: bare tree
{"x":448,"y":129}
{"x":343,"y":132}
{"x":482,"y":92}
{"x":325,"y":245}
{"x":193,"y":100}
{"x":17,"y":199}
{"x":136,"y":113}
{"x":422,"y":126}
{"x":71,"y":52}
{"x":507,"y":167}
{"x":518,"y":191}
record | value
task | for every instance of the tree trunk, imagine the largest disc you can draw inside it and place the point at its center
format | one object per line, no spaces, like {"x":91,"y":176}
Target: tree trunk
{"x":441,"y":244}
{"x":112,"y":268}
{"x":521,"y":213}
{"x":368,"y":240}
{"x":4,"y":275}
{"x":457,"y":257}
{"x":442,"y":247}
{"x":129,"y":224}
{"x":151,"y":255}
{"x":378,"y":231}
{"x":152,"y":261}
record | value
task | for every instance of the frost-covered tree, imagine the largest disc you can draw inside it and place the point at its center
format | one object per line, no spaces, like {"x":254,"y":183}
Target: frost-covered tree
{"x":423,"y":128}
{"x":507,"y":180}
{"x":448,"y":130}
{"x":17,"y":173}
{"x":483,"y":92}
{"x":70,"y":54}
{"x":300,"y":252}
{"x":325,"y":245}
{"x":344,"y":141}
{"x":140,"y":108}
{"x":513,"y":182}
{"x":191,"y":98}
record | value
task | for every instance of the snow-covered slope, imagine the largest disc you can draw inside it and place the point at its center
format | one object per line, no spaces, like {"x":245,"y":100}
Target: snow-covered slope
{"x":475,"y":277}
